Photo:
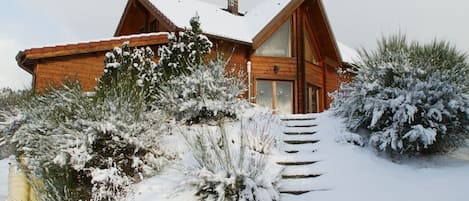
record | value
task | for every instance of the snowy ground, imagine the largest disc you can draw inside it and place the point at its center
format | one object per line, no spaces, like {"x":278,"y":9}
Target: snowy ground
{"x":352,"y":173}
{"x":3,"y":179}
{"x":355,"y":173}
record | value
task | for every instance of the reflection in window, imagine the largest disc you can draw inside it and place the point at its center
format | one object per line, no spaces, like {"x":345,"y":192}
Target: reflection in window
{"x":284,"y":95}
{"x":281,"y":102}
{"x":279,"y":44}
{"x":264,"y":94}
{"x":310,"y":55}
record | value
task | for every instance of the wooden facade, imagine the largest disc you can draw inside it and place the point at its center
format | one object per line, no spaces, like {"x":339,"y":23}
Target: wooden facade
{"x":301,"y":78}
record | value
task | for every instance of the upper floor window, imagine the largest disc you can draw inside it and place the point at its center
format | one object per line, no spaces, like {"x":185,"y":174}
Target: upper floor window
{"x":279,"y":44}
{"x":310,"y":53}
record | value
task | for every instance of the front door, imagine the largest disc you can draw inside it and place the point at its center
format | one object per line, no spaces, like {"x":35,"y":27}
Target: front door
{"x":274,"y":94}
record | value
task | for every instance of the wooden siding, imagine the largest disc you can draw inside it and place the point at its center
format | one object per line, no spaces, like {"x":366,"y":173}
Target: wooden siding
{"x":314,"y":75}
{"x":86,"y":68}
{"x":263,"y":68}
{"x":332,"y":83}
{"x":236,"y":54}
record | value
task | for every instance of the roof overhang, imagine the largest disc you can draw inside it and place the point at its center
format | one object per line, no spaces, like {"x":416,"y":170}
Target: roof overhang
{"x":27,"y":59}
{"x":329,"y":30}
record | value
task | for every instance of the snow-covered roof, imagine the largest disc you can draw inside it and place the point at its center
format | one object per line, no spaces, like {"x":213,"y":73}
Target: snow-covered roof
{"x":216,"y":21}
{"x":349,"y":55}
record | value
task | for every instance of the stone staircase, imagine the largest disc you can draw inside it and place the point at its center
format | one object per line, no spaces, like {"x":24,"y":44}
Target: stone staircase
{"x":302,"y":173}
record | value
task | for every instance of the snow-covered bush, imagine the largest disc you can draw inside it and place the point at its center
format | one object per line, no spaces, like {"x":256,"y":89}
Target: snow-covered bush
{"x":409,"y":96}
{"x":66,"y":136}
{"x":110,"y":184}
{"x":131,"y":68}
{"x":207,"y":93}
{"x":225,"y":165}
{"x":9,"y":101}
{"x":183,"y":52}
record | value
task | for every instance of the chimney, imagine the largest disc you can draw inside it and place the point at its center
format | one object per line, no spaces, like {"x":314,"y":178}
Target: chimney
{"x":233,"y":6}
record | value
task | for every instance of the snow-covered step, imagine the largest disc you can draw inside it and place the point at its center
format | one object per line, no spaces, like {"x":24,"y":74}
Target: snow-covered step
{"x":293,"y":163}
{"x":293,"y":117}
{"x":298,"y":142}
{"x":304,"y":123}
{"x":300,"y":137}
{"x":297,"y":157}
{"x":311,"y":169}
{"x":299,"y":130}
{"x":304,"y":148}
{"x":296,"y":133}
{"x":304,"y":185}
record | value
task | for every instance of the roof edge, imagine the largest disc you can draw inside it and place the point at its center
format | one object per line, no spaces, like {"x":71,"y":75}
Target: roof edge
{"x":92,"y":46}
{"x":329,"y":29}
{"x":157,"y":12}
{"x":290,"y":7}
{"x":20,"y":60}
{"x":121,"y":21}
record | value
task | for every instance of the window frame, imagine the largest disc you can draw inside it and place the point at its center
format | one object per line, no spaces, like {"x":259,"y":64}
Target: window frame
{"x":290,"y":51}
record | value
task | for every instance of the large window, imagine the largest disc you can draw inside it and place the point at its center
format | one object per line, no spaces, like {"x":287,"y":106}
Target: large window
{"x":279,"y":44}
{"x":310,"y":54}
{"x":277,"y":95}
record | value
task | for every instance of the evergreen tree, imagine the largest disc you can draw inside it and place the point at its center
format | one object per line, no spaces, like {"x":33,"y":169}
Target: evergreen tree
{"x":184,"y":52}
{"x":409,"y":96}
{"x":207,"y":93}
{"x":131,"y":70}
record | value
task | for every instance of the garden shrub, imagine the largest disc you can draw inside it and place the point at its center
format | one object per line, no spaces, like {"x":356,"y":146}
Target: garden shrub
{"x":227,"y":166}
{"x":409,"y":96}
{"x":207,"y":93}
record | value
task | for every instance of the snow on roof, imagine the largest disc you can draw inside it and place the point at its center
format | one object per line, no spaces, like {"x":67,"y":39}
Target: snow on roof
{"x":216,"y":21}
{"x":349,"y":55}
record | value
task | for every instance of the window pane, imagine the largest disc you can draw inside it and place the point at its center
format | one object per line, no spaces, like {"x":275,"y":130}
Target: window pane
{"x":264,"y":94}
{"x":309,"y":51}
{"x":312,"y":101}
{"x":278,"y":45}
{"x":284,"y":96}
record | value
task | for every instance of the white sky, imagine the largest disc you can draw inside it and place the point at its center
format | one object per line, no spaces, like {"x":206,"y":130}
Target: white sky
{"x":357,"y":23}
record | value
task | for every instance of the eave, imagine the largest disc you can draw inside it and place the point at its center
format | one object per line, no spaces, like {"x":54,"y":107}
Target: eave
{"x":27,"y":59}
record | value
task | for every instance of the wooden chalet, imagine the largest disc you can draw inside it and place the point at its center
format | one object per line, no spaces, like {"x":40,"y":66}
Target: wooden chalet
{"x":286,"y":47}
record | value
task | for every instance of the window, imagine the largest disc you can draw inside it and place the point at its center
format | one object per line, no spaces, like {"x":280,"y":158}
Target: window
{"x":279,"y":44}
{"x":277,"y":95}
{"x":312,"y":99}
{"x":154,"y":26}
{"x":310,"y":54}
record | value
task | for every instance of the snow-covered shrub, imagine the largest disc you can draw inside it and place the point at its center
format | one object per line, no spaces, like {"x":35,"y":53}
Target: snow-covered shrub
{"x":65,"y":135}
{"x":409,"y":96}
{"x":183,"y":52}
{"x":9,"y":101}
{"x":207,"y":93}
{"x":110,"y":184}
{"x":226,"y":167}
{"x":129,"y":67}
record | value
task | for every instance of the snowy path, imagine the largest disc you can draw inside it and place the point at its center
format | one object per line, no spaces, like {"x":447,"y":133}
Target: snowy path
{"x":303,"y":164}
{"x":355,"y":173}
